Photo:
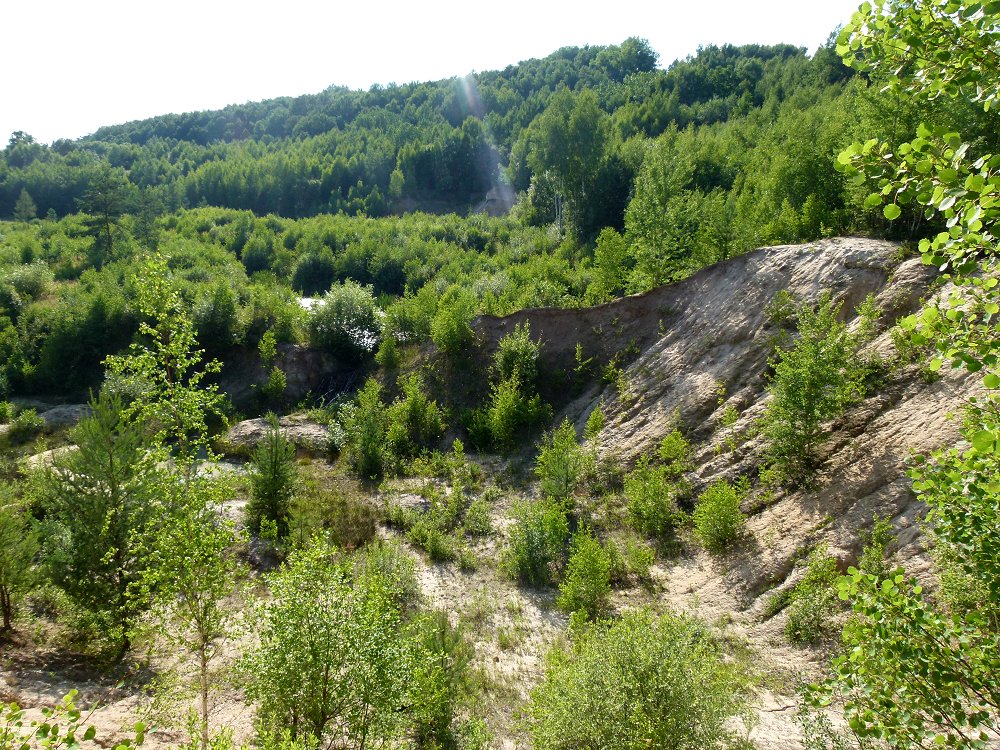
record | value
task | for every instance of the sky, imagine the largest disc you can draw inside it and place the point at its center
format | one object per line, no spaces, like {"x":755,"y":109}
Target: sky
{"x":72,"y":66}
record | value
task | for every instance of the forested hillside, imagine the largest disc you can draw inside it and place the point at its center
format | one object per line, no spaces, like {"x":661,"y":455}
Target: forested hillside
{"x":550,"y":407}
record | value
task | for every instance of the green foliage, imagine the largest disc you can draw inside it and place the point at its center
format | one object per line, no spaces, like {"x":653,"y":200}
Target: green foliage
{"x":60,"y":726}
{"x":509,"y":413}
{"x":517,"y":356}
{"x":24,"y":426}
{"x":341,"y":514}
{"x":102,"y":503}
{"x":587,"y":583}
{"x":451,"y":329}
{"x":415,"y":421}
{"x":366,"y":424}
{"x":164,"y":370}
{"x":25,"y":208}
{"x":718,"y":521}
{"x":387,"y":561}
{"x":348,"y":322}
{"x":595,"y":423}
{"x":331,"y":664}
{"x":629,"y":557}
{"x":314,"y":273}
{"x":272,"y":481}
{"x":535,"y":548}
{"x":612,"y":264}
{"x":477,"y":521}
{"x":930,"y":673}
{"x":441,"y":679}
{"x":651,"y":500}
{"x":18,"y":548}
{"x":639,"y":681}
{"x":813,"y":601}
{"x":388,"y":356}
{"x":559,"y":463}
{"x":267,"y":347}
{"x":921,"y":671}
{"x":675,"y":453}
{"x":813,"y":382}
{"x":193,"y":577}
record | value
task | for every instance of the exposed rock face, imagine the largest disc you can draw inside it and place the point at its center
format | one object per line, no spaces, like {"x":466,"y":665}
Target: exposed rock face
{"x":693,"y":349}
{"x":307,"y":371}
{"x":66,"y":415}
{"x":297,"y":429}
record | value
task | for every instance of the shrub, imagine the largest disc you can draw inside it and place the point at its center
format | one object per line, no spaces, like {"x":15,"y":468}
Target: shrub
{"x":537,"y":541}
{"x":24,"y":426}
{"x":388,"y":561}
{"x":6,"y":411}
{"x":331,"y":665}
{"x":517,"y":356}
{"x":477,"y":521}
{"x":258,"y":255}
{"x":595,"y":423}
{"x":640,"y":681}
{"x":587,"y":582}
{"x":675,"y":453}
{"x":559,"y":462}
{"x":30,"y":281}
{"x":18,"y":549}
{"x":366,"y":423}
{"x":629,"y":557}
{"x":813,"y":600}
{"x":451,"y":329}
{"x":415,"y":421}
{"x":651,"y":500}
{"x":509,"y":412}
{"x":348,"y":322}
{"x":430,"y":537}
{"x":717,"y":518}
{"x":338,"y":511}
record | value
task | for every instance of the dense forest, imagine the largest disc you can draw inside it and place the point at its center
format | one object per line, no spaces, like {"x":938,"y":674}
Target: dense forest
{"x":177,"y":272}
{"x":628,"y":176}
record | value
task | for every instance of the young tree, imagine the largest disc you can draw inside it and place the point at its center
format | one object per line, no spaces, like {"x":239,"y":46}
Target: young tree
{"x":101,"y":503}
{"x":559,"y":463}
{"x":812,"y":383}
{"x":106,"y":199}
{"x":331,"y":666}
{"x":25,"y":208}
{"x":193,"y":574}
{"x":165,"y":367}
{"x":367,"y":425}
{"x":272,"y":481}
{"x":587,"y":583}
{"x":18,"y":547}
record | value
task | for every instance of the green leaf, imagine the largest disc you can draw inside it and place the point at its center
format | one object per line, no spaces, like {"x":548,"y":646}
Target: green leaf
{"x":983,"y":441}
{"x":948,"y":176}
{"x":891,"y":212}
{"x":991,"y":381}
